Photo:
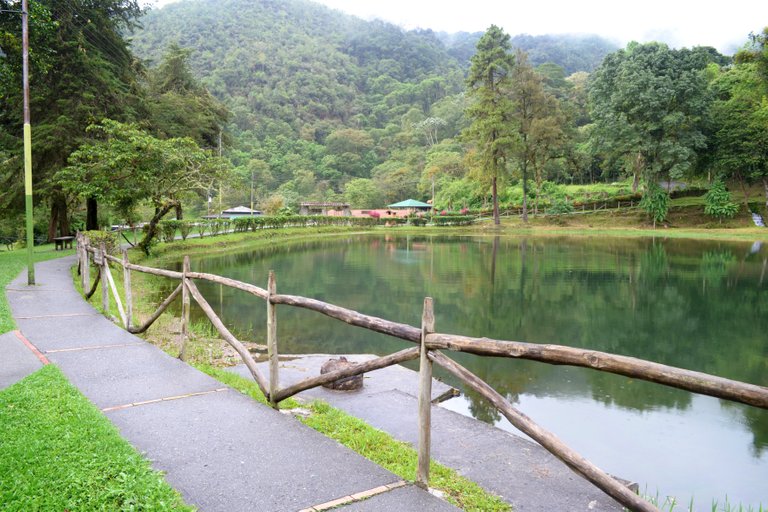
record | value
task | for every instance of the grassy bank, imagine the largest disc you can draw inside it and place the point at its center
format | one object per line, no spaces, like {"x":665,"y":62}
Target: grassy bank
{"x":60,"y":453}
{"x":11,"y":264}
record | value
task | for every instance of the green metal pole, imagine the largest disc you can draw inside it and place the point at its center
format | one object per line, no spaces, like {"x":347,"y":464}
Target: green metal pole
{"x":27,"y":145}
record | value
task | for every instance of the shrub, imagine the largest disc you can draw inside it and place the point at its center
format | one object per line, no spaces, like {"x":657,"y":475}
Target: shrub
{"x":560,"y":206}
{"x":453,"y":220}
{"x":185,"y":227}
{"x":108,"y":238}
{"x":168,"y":229}
{"x":718,"y":202}
{"x":655,"y":202}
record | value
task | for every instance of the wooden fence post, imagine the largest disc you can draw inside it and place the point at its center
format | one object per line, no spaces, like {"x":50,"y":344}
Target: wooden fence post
{"x":185,"y":306}
{"x":425,"y":395}
{"x":127,"y":291}
{"x":85,"y":267}
{"x":104,"y":279}
{"x":274,"y":381}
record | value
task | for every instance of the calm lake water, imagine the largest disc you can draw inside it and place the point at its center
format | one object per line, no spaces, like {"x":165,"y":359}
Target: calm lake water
{"x":692,"y":304}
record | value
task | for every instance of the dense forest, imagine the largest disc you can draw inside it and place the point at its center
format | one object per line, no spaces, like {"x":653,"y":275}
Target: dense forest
{"x":137,"y":114}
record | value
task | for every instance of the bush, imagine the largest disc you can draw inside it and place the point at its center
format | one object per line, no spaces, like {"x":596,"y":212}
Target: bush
{"x":655,"y":202}
{"x":168,"y":230}
{"x":108,"y":238}
{"x":453,"y":220}
{"x":560,"y":206}
{"x":718,"y":202}
{"x":185,"y":227}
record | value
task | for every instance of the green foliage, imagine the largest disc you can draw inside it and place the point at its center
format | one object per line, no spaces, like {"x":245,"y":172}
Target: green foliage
{"x":179,"y":106}
{"x":108,"y":238}
{"x":363,"y":193}
{"x":123,"y":165}
{"x":718,"y":202}
{"x":168,"y":229}
{"x":739,"y":116}
{"x":453,"y":220}
{"x":655,"y":202}
{"x":61,"y":453}
{"x":649,"y":103}
{"x":559,"y":206}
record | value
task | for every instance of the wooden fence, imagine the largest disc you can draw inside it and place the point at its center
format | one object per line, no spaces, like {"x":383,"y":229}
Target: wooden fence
{"x":429,"y":351}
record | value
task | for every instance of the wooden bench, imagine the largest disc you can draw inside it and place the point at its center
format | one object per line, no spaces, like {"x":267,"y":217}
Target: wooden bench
{"x":63,"y":242}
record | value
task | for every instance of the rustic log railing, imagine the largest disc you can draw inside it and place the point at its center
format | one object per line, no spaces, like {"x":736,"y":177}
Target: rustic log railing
{"x":430,"y":344}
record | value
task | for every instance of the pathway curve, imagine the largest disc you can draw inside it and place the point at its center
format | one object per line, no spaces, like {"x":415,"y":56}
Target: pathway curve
{"x":220,"y":449}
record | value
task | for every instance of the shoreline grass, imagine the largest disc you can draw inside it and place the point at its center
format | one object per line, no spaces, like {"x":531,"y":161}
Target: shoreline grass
{"x":59,"y":452}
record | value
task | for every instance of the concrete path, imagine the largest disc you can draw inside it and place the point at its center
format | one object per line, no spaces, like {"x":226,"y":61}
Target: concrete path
{"x":16,"y":360}
{"x":219,"y":448}
{"x":520,"y":471}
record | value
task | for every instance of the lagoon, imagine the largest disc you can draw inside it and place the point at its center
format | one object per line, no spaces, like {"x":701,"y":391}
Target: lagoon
{"x":700,"y":305}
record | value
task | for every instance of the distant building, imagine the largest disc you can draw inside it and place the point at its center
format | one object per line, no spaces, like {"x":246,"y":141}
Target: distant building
{"x":239,"y":211}
{"x":324,"y":209}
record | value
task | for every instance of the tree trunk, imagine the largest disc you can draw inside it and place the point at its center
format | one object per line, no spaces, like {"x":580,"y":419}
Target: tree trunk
{"x":636,"y":168}
{"x":525,"y":193}
{"x":91,"y":214}
{"x":744,"y":190}
{"x":160,"y":212}
{"x":494,"y":192}
{"x":59,"y":223}
{"x":53,"y":221}
{"x":179,"y":212}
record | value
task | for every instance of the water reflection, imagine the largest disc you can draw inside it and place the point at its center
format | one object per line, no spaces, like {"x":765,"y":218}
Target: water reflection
{"x":692,"y":304}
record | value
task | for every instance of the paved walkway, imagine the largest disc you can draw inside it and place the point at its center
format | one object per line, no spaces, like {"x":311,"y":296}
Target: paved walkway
{"x":219,"y":448}
{"x":520,"y":471}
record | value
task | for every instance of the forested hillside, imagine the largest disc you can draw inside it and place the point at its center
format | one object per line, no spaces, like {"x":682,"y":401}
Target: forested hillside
{"x":319,"y":98}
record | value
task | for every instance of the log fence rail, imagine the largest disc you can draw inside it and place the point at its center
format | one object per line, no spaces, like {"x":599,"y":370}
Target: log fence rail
{"x":429,"y":352}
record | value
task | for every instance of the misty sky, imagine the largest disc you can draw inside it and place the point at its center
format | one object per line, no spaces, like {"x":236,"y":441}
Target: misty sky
{"x":676,"y":22}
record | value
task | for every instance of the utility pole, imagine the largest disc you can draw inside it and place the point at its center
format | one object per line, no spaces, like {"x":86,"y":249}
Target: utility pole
{"x":220,"y":184}
{"x":27,"y":144}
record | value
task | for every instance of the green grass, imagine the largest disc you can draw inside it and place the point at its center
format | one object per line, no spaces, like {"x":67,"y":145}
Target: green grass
{"x":59,"y":452}
{"x":670,"y":504}
{"x":11,"y":264}
{"x":375,"y":445}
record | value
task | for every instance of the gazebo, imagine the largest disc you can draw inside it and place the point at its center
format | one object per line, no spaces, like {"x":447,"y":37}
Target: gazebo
{"x":412,"y":204}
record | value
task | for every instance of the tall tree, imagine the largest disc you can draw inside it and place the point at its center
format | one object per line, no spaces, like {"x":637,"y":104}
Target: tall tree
{"x":94,"y":76}
{"x":649,"y":102}
{"x":538,"y":122}
{"x":739,"y":121}
{"x":490,"y":108}
{"x":179,"y":105}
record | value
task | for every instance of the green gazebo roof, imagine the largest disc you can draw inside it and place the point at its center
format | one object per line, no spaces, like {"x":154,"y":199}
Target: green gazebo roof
{"x":410,"y":203}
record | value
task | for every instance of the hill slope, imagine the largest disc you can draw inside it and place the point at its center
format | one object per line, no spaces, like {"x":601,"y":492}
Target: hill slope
{"x":319,"y":97}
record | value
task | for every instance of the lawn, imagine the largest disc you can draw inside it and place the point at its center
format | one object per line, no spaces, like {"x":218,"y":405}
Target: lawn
{"x":59,"y":452}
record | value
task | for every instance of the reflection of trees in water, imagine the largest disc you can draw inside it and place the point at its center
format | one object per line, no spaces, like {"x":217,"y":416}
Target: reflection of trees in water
{"x":690,"y":304}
